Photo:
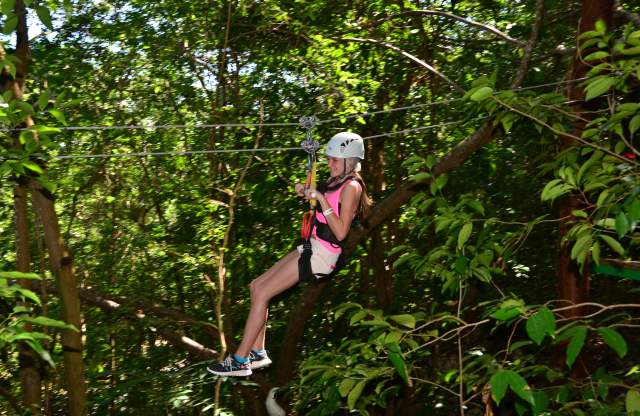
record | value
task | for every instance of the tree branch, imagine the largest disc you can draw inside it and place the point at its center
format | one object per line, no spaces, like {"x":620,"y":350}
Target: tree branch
{"x":120,"y":304}
{"x":412,"y":57}
{"x":464,"y":20}
{"x":533,"y":39}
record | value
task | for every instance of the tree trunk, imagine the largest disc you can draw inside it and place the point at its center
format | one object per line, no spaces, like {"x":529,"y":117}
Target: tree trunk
{"x":573,"y":284}
{"x":62,"y":265}
{"x":29,"y":372}
{"x":59,"y":258}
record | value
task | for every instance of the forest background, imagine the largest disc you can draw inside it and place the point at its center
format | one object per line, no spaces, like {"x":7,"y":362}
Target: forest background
{"x":494,"y":276}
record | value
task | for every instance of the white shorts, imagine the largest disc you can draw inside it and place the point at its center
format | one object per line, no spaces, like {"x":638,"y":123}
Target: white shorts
{"x":323,"y":261}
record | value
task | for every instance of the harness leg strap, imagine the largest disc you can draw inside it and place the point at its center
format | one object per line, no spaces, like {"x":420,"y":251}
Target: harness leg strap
{"x":305,"y":274}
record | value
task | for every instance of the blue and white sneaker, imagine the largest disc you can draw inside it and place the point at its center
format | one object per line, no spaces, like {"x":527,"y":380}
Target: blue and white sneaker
{"x":231,"y":367}
{"x":258,"y":360}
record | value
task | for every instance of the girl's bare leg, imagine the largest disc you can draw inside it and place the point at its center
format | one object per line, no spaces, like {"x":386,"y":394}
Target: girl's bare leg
{"x":277,"y":279}
{"x":259,"y":343}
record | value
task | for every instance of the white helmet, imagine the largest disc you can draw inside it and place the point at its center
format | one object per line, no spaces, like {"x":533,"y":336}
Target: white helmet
{"x":345,"y":145}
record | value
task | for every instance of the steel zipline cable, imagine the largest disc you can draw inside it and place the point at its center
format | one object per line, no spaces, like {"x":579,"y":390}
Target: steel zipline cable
{"x":272,"y":149}
{"x":262,"y":149}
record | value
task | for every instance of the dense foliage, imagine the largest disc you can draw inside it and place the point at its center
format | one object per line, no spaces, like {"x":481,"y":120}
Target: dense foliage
{"x":449,"y":306}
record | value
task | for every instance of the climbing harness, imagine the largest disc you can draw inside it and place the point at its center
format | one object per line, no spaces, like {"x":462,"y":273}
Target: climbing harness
{"x":311,"y":147}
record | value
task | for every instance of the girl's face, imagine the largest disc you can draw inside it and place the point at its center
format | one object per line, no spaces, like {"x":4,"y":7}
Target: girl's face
{"x":336,"y":166}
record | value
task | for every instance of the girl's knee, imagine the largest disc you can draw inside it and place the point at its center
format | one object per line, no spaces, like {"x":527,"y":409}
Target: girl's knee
{"x":254,"y":287}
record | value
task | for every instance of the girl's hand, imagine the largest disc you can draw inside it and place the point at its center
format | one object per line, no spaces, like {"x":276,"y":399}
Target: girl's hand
{"x":299,"y":189}
{"x":312,"y":194}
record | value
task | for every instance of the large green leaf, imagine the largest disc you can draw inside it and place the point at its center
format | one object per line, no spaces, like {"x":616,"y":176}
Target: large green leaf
{"x":18,"y":275}
{"x":578,"y":337}
{"x":520,"y":387}
{"x":345,"y":386}
{"x":632,"y":402}
{"x":614,"y":340}
{"x":481,"y":93}
{"x":43,"y":320}
{"x":499,"y":383}
{"x":355,"y":393}
{"x":399,"y":365}
{"x":622,"y":224}
{"x":464,"y":234}
{"x":613,"y":243}
{"x":45,"y":16}
{"x":540,"y":324}
{"x":405,"y":320}
{"x":599,"y":87}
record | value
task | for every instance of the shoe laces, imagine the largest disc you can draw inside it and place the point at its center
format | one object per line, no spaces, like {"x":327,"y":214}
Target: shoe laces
{"x":228,"y":363}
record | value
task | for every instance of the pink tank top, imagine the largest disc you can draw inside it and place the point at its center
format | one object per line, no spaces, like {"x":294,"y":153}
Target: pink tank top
{"x":333,"y":198}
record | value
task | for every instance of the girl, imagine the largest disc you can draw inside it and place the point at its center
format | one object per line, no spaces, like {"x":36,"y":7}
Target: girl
{"x":341,"y":198}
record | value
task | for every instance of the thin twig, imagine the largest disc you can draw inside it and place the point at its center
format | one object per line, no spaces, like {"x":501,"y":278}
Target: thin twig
{"x":412,"y":57}
{"x":464,"y":20}
{"x":435,"y":384}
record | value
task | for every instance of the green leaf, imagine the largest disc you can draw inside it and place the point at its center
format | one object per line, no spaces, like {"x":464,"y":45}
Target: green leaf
{"x":540,"y":402}
{"x":540,"y":324}
{"x":356,"y":317}
{"x":520,"y":387}
{"x":582,"y":244}
{"x":476,"y":205}
{"x":464,"y":234}
{"x":43,"y":320}
{"x":482,"y":273}
{"x":43,"y":100}
{"x":375,"y":322}
{"x":595,"y":252}
{"x":44,"y":354}
{"x":28,"y":294}
{"x":45,"y":16}
{"x":405,"y":319}
{"x":599,"y":87}
{"x":481,"y":93}
{"x":630,"y":107}
{"x":438,"y":183}
{"x":613,"y":243}
{"x":509,"y":309}
{"x":399,"y":365}
{"x":340,"y":310}
{"x":601,"y":27}
{"x":589,"y":34}
{"x":634,"y":124}
{"x":631,"y":51}
{"x":8,"y":6}
{"x":579,"y":335}
{"x":32,"y":166}
{"x":18,"y":275}
{"x":421,"y":177}
{"x":10,"y":24}
{"x":355,"y":393}
{"x":58,"y":116}
{"x":622,"y":224}
{"x":499,"y":383}
{"x":596,"y":55}
{"x":602,"y":198}
{"x":346,"y":386}
{"x":632,"y":401}
{"x":46,"y":184}
{"x":614,"y":340}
